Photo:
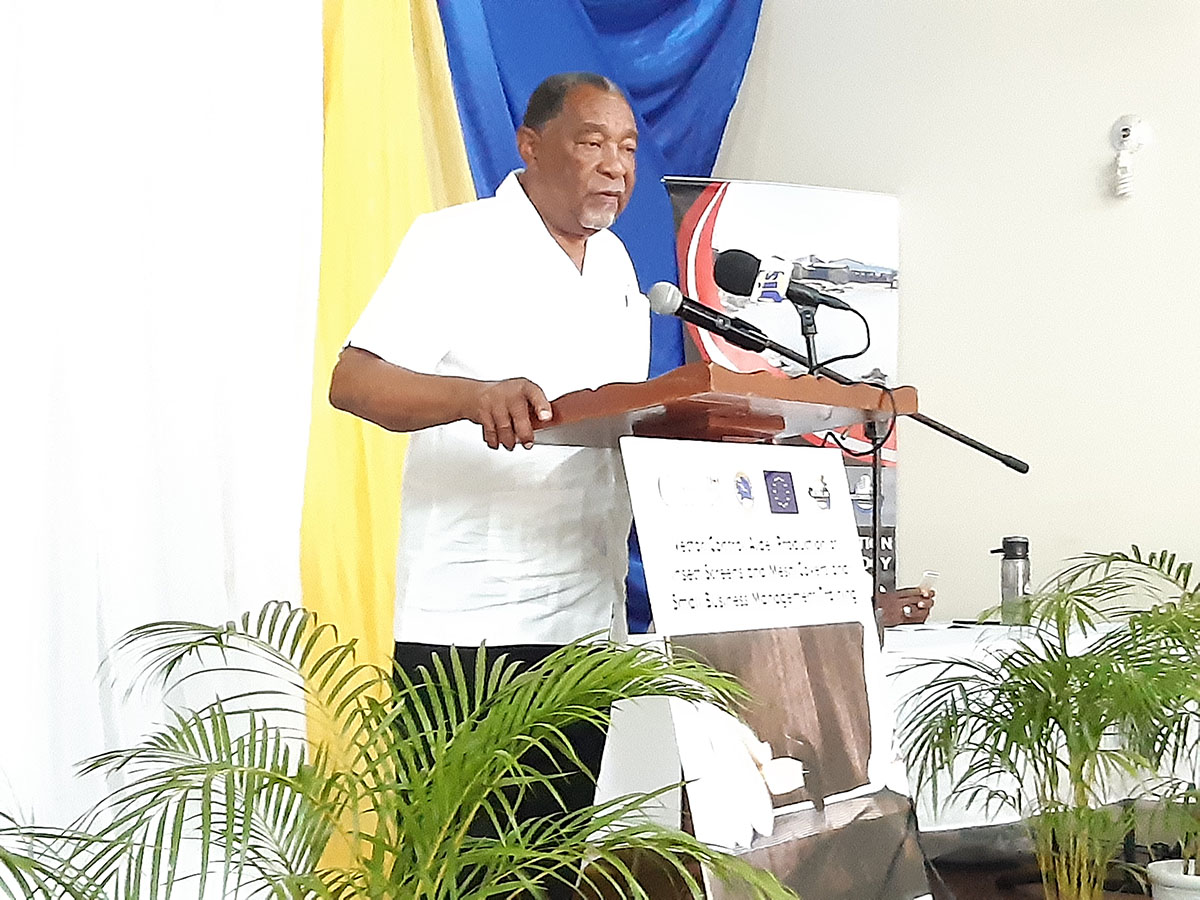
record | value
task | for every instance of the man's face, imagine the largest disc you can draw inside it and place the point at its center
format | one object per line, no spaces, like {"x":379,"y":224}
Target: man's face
{"x":582,"y":162}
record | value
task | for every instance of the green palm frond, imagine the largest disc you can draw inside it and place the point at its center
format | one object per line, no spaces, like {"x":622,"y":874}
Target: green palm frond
{"x":1120,"y":574}
{"x":1098,"y":691}
{"x":232,"y":793}
{"x":196,"y":788}
{"x":32,"y":864}
{"x":290,"y":645}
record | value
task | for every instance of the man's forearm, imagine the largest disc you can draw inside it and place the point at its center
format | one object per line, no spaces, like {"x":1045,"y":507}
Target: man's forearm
{"x":396,"y":398}
{"x":402,"y":400}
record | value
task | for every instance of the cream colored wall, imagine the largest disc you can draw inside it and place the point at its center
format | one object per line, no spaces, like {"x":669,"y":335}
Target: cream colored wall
{"x":1039,"y":313}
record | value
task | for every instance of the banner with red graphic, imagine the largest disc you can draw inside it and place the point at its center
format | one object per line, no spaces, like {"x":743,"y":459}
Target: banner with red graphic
{"x":844,"y":244}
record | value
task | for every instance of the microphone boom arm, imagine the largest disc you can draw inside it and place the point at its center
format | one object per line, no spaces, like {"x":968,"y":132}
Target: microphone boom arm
{"x":1017,"y":465}
{"x":666,"y":299}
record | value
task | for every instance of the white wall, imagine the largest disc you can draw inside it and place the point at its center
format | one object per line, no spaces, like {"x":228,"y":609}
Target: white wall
{"x":1038,"y":313}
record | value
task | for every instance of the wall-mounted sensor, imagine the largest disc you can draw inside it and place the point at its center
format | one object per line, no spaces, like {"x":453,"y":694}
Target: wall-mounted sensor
{"x":1129,"y":134}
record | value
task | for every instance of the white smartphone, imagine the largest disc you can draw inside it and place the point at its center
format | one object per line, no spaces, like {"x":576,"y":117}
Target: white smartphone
{"x":928,"y":580}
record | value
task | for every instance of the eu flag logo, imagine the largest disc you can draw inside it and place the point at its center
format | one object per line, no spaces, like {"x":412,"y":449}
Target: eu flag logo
{"x":781,"y":493}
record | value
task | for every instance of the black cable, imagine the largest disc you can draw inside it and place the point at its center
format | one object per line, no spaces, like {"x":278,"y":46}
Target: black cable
{"x":878,"y":443}
{"x":867,"y":327}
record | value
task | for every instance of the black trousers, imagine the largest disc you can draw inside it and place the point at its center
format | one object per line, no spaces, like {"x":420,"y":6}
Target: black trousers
{"x":575,"y":787}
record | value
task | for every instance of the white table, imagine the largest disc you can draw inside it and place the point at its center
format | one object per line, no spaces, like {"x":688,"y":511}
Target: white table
{"x":910,"y":644}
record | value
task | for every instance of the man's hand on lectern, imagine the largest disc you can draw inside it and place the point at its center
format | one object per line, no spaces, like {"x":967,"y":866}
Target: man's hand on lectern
{"x":402,"y":400}
{"x":506,"y":409}
{"x":907,"y":606}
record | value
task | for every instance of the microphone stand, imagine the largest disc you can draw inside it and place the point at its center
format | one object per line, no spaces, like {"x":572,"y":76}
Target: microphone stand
{"x":756,"y":341}
{"x":808,"y":327}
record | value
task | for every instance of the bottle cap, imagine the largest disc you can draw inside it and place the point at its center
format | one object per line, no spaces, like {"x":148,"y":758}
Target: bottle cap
{"x":1014,"y":547}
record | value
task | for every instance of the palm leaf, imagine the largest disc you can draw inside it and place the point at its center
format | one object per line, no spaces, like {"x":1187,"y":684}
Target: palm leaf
{"x":1100,"y":690}
{"x":231,"y":791}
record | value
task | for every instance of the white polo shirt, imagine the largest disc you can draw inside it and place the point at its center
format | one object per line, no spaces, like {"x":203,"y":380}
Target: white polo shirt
{"x":527,"y":546}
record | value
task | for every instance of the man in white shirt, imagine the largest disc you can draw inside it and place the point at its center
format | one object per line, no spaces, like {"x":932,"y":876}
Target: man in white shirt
{"x":488,"y":309}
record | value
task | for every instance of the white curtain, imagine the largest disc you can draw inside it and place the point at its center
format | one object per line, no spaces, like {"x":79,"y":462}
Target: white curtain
{"x":160,"y":202}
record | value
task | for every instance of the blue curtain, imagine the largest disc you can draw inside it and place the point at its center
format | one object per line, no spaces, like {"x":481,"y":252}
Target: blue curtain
{"x":681,"y":63}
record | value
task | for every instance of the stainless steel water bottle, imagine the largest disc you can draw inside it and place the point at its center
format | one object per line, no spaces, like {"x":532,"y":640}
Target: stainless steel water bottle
{"x":1014,"y":580}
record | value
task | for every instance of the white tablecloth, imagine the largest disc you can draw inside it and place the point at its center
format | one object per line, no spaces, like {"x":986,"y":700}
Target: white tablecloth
{"x":909,"y":644}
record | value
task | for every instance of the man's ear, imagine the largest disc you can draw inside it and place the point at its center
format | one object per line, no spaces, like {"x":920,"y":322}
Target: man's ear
{"x":527,"y":144}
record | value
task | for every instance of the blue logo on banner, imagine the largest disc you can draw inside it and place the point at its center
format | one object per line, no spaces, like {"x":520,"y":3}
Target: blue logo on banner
{"x":781,"y":493}
{"x":744,"y":489}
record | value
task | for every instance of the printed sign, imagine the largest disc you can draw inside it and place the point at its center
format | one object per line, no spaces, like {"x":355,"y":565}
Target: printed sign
{"x":741,"y":536}
{"x":753,"y":565}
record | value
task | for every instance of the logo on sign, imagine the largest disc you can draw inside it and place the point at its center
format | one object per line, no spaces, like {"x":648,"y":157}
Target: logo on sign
{"x":745,"y":491}
{"x":821,"y":494}
{"x":781,"y":492}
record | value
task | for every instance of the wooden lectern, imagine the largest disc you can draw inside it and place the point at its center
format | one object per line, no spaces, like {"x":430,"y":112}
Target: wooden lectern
{"x":704,"y":401}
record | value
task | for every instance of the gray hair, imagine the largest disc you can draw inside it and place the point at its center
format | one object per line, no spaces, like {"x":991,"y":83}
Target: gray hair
{"x":546,"y":101}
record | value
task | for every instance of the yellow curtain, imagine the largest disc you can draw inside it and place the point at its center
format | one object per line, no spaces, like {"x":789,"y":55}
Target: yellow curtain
{"x":393,"y":150}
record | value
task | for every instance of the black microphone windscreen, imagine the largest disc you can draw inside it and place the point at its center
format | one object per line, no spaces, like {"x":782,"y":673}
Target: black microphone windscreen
{"x":735,"y":272}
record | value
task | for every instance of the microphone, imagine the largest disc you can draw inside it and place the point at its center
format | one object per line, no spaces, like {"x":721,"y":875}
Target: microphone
{"x":666,"y":299}
{"x":736,"y":272}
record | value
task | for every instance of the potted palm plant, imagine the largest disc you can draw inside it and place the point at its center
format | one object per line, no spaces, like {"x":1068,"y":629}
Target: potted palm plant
{"x":1177,"y":878}
{"x":1095,"y":701}
{"x":231,"y":797}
